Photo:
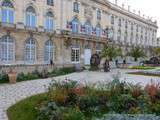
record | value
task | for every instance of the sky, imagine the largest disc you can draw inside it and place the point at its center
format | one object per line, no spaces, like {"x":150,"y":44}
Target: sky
{"x":147,"y":7}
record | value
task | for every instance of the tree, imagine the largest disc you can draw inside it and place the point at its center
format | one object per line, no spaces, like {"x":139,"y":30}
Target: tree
{"x":156,"y":51}
{"x":110,"y":52}
{"x":137,"y":52}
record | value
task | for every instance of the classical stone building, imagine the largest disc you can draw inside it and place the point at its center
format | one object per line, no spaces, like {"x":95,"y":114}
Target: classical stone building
{"x":66,"y":32}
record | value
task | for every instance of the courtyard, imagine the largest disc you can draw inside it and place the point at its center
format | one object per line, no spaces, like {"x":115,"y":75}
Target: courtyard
{"x":11,"y":94}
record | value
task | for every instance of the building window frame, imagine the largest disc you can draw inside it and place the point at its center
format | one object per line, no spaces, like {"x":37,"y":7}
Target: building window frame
{"x":75,"y":55}
{"x":31,"y":18}
{"x":7,"y":49}
{"x":75,"y":25}
{"x":76,"y":7}
{"x":48,"y":52}
{"x":7,"y":12}
{"x":30,"y":51}
{"x":99,"y":14}
{"x":50,"y":2}
{"x":49,"y":22}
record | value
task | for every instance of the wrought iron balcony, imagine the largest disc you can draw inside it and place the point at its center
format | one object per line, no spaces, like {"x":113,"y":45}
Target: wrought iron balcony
{"x":82,"y":36}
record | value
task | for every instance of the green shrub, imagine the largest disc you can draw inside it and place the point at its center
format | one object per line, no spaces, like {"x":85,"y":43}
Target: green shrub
{"x":50,"y":111}
{"x":4,"y":78}
{"x":122,"y":103}
{"x":74,"y":114}
{"x":21,"y":77}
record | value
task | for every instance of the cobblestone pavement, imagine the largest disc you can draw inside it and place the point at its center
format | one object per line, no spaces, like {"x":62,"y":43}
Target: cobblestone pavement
{"x":10,"y":94}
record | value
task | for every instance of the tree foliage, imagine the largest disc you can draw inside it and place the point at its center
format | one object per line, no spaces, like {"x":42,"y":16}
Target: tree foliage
{"x":110,"y":52}
{"x":156,"y":51}
{"x":137,"y":52}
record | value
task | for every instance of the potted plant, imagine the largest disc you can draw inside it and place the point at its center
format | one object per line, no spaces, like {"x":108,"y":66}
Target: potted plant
{"x":12,"y":76}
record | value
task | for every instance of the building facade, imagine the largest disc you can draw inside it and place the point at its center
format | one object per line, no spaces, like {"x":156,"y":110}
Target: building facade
{"x":66,"y":32}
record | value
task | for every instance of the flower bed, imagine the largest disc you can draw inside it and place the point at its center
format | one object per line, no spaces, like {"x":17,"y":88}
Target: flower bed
{"x":69,"y":100}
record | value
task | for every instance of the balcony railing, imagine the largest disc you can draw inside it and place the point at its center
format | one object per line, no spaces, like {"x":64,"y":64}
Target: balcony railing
{"x":82,"y":36}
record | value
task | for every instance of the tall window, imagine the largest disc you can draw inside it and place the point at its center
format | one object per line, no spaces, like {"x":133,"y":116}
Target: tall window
{"x":75,"y":25}
{"x":30,"y":17}
{"x":126,"y":24}
{"x":7,"y":49}
{"x":119,"y":35}
{"x":76,"y":7}
{"x":98,"y":31}
{"x":75,"y":54}
{"x":50,"y":2}
{"x":48,"y":51}
{"x":30,"y":50}
{"x":98,"y":14}
{"x":112,"y":19}
{"x":49,"y":23}
{"x":88,"y":28}
{"x":7,"y":12}
{"x":119,"y":23}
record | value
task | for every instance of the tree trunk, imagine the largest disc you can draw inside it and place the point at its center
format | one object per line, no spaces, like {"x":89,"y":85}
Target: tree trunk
{"x":106,"y":66}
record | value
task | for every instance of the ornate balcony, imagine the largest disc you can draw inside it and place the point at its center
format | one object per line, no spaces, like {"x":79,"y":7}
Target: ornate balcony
{"x":81,"y":36}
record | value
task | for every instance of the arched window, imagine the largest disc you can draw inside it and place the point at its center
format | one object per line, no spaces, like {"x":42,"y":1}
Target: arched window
{"x":30,"y":17}
{"x":7,"y":47}
{"x":7,"y":12}
{"x":75,"y":25}
{"x":49,"y":22}
{"x":88,"y":28}
{"x":48,"y":53}
{"x":98,"y":30}
{"x":30,"y":50}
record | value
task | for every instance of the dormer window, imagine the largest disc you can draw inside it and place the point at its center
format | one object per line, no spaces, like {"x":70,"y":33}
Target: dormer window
{"x":50,"y":2}
{"x":76,"y":7}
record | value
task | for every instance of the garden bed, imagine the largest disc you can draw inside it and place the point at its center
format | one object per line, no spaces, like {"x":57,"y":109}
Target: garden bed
{"x":38,"y":75}
{"x":69,"y":100}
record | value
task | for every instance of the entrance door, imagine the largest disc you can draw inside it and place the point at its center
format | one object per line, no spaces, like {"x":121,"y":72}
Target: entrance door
{"x":87,"y":56}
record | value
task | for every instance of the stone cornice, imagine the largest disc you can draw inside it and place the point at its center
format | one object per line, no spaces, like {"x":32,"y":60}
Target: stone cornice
{"x":132,"y":15}
{"x":114,"y":7}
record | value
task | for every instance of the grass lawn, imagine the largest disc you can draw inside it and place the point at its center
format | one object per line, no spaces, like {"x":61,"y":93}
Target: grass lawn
{"x":25,"y":109}
{"x":142,"y":67}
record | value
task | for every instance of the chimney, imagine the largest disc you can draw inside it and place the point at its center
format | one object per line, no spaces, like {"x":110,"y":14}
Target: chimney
{"x":139,"y":13}
{"x":128,"y":8}
{"x":143,"y":16}
{"x":134,"y":11}
{"x":116,"y":2}
{"x":123,"y":5}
